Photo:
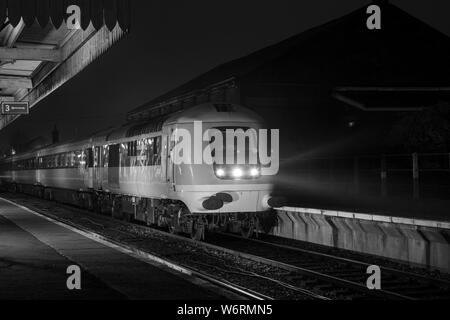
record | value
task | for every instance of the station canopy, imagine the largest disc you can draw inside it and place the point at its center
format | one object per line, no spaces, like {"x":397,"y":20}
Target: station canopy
{"x":38,"y":51}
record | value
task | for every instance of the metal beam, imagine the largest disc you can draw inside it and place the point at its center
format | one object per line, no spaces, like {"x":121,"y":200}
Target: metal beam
{"x":15,"y":82}
{"x":34,"y":54}
{"x":7,"y":99}
{"x":392,"y":89}
{"x":13,"y":34}
{"x":77,"y":52}
{"x":362,"y":106}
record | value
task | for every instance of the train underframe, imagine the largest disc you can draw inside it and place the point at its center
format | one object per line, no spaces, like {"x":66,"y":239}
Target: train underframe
{"x":164,"y":213}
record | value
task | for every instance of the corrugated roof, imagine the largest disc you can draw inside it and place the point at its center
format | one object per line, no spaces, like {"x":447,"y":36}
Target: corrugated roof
{"x":98,"y":12}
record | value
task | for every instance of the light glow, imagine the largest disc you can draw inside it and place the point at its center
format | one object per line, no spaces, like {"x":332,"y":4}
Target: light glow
{"x":237,"y":172}
{"x":220,"y":172}
{"x":254,"y":172}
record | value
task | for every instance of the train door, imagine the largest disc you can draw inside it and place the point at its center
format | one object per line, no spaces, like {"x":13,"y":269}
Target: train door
{"x":97,"y":168}
{"x":87,"y":164}
{"x":113,"y":166}
{"x":38,"y":166}
{"x":169,"y":163}
{"x":163,"y":157}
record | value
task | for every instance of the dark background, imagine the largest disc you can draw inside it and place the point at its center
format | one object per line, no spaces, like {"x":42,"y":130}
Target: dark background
{"x":170,"y":43}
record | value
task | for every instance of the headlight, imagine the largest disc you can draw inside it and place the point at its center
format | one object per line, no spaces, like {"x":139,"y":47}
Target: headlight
{"x":220,"y":172}
{"x":237,"y":173}
{"x":254,"y":172}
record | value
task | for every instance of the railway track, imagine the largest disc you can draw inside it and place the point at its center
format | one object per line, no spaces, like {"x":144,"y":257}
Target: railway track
{"x":283,"y":271}
{"x":396,"y":284}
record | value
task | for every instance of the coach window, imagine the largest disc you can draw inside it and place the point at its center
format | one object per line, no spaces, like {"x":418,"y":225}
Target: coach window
{"x":114,"y":156}
{"x":83,"y":159}
{"x":105,"y":156}
{"x":90,"y":158}
{"x":157,"y":151}
{"x":129,"y":149}
{"x":153,"y":151}
{"x":70,"y":159}
{"x":149,"y":152}
{"x":132,"y":149}
{"x":72,"y":163}
{"x":142,"y":152}
{"x":125,"y":154}
{"x":76,"y":158}
{"x":61,"y":160}
{"x":67,"y":160}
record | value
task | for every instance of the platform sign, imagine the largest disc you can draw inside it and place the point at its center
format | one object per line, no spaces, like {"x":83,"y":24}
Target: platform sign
{"x":15,"y":108}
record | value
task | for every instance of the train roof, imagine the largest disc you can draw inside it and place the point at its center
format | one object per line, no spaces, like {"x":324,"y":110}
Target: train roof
{"x":210,"y":112}
{"x":207,"y":112}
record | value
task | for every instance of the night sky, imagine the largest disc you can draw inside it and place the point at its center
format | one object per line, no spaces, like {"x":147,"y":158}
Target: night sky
{"x":174,"y":41}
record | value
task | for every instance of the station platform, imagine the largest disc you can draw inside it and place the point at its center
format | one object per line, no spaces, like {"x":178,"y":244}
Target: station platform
{"x":35,"y":253}
{"x":416,"y":241}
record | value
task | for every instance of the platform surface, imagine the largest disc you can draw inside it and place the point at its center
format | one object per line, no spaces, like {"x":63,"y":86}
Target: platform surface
{"x":35,"y":254}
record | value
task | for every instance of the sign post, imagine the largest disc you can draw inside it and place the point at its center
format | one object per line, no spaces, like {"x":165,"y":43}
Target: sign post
{"x":15,"y":108}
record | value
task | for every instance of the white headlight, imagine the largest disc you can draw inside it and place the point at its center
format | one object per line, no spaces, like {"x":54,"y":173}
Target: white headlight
{"x":220,"y":172}
{"x":237,"y":172}
{"x":254,"y":172}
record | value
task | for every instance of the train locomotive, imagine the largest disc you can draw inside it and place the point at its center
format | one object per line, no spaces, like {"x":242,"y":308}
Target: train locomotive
{"x":130,"y":173}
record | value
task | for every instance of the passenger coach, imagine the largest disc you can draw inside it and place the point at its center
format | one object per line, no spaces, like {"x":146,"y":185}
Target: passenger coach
{"x":129,"y":173}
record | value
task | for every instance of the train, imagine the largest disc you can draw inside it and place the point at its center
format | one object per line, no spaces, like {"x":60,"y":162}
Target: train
{"x":130,"y":172}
